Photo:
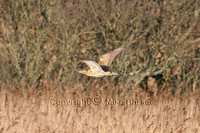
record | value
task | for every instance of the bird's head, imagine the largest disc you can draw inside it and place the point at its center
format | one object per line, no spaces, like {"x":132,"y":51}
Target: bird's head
{"x":83,"y":72}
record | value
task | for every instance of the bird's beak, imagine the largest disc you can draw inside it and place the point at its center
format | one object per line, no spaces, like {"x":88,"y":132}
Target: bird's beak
{"x":81,"y":71}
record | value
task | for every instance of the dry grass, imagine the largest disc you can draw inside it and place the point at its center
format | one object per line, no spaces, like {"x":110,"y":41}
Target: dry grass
{"x":70,"y":110}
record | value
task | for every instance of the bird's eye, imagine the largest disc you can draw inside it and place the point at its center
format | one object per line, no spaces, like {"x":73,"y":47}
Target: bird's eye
{"x":82,"y":66}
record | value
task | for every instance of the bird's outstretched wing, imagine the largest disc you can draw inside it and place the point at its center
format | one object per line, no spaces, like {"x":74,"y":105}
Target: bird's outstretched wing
{"x":93,"y":66}
{"x":108,"y":58}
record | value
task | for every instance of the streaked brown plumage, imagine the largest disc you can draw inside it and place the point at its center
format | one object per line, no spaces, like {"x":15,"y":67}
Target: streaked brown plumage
{"x":101,"y":68}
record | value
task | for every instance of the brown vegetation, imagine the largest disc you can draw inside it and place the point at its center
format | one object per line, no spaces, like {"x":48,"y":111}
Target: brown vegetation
{"x":43,"y":41}
{"x":47,"y":39}
{"x":114,"y":110}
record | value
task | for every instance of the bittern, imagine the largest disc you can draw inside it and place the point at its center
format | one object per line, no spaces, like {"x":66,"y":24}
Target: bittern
{"x":101,"y":68}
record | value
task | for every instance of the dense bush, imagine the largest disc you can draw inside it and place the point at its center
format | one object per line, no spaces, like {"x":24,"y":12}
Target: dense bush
{"x":46,"y":39}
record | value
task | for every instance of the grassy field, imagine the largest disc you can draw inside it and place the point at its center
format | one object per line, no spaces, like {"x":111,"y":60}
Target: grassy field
{"x":43,"y":41}
{"x":53,"y":110}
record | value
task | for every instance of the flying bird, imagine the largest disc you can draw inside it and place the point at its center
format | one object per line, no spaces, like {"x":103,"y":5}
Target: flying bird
{"x":101,"y":68}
